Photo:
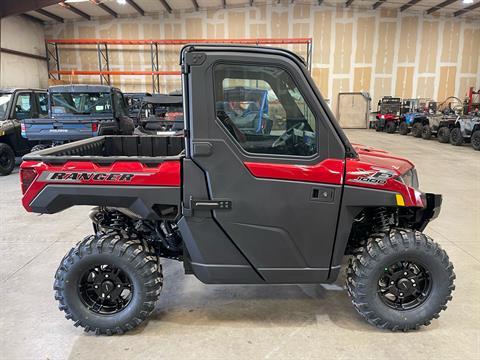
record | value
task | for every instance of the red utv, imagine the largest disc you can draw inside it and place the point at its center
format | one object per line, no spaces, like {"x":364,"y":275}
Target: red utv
{"x":388,"y":114}
{"x":237,"y":206}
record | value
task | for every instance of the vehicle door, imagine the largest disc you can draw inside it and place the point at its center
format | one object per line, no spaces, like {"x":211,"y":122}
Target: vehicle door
{"x":279,"y":188}
{"x":23,"y":108}
{"x":41,"y":102}
{"x":120,"y":111}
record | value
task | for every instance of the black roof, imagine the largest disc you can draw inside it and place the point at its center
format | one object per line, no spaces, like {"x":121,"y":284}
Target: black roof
{"x":161,"y":99}
{"x":247,"y":48}
{"x":13,"y":89}
{"x":81,"y":88}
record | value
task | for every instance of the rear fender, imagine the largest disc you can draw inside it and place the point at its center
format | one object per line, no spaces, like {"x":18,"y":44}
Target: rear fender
{"x":149,"y":191}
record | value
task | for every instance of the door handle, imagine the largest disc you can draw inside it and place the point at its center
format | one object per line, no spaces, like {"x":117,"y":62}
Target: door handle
{"x":323,"y":194}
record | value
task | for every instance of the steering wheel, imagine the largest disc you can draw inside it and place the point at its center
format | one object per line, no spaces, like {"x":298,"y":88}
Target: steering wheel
{"x":287,"y":135}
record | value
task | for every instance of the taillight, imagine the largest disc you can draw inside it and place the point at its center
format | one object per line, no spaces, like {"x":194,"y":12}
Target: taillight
{"x":27,"y":175}
{"x":23,"y":128}
{"x":94,"y":127}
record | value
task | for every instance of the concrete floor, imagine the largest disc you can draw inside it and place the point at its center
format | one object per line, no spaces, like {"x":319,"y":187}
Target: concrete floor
{"x":194,"y":320}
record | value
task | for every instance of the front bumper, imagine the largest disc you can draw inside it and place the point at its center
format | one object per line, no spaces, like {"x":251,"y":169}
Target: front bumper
{"x":429,"y":212}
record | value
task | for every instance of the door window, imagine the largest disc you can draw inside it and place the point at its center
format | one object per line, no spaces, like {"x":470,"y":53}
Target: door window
{"x":23,"y":106}
{"x":120,"y":105}
{"x":264,"y":111}
{"x":42,"y":101}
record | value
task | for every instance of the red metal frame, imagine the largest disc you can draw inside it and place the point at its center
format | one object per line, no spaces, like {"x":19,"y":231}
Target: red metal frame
{"x":113,"y":72}
{"x":55,"y":72}
{"x":470,"y":96}
{"x":259,"y":41}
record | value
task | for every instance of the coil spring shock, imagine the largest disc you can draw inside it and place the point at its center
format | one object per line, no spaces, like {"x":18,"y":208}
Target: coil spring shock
{"x":380,"y":220}
{"x":116,"y":221}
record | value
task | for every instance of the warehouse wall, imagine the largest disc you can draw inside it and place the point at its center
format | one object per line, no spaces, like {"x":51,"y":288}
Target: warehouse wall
{"x":383,"y":52}
{"x":23,"y":35}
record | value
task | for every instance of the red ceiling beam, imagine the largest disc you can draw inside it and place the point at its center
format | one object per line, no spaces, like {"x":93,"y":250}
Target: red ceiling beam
{"x":259,"y":41}
{"x":113,"y":72}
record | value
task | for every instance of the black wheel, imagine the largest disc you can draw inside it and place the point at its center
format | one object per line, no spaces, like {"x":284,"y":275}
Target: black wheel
{"x":426,"y":132}
{"x":400,"y":280}
{"x":456,"y":137}
{"x":7,"y":159}
{"x":443,"y":135}
{"x":417,"y":130}
{"x":378,"y":128}
{"x":108,"y":283}
{"x":403,"y":128}
{"x":39,"y":147}
{"x":476,"y":140}
{"x":390,"y":127}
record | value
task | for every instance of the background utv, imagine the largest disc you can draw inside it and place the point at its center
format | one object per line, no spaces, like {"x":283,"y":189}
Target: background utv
{"x":241,"y":207}
{"x":17,"y":104}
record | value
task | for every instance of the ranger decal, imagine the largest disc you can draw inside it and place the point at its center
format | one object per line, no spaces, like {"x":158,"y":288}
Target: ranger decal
{"x":68,"y":176}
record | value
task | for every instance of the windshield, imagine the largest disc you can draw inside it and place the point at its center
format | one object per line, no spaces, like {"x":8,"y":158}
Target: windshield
{"x":4,"y":100}
{"x":81,"y":103}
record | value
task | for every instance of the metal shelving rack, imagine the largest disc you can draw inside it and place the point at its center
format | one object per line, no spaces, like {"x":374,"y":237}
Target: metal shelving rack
{"x":103,"y":46}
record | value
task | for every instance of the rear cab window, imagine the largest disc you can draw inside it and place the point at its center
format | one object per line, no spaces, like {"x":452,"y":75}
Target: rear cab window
{"x":81,"y":103}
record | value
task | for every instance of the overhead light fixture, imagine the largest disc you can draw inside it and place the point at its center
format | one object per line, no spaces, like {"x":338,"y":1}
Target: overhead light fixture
{"x":121,"y":2}
{"x":467,"y":1}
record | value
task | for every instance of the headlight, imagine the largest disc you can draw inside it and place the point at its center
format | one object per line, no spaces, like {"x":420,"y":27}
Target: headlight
{"x":410,"y":178}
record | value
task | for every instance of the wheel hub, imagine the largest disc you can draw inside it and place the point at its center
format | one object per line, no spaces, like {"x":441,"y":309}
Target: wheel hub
{"x":105,"y":289}
{"x":107,"y":286}
{"x":4,"y":159}
{"x":404,"y":285}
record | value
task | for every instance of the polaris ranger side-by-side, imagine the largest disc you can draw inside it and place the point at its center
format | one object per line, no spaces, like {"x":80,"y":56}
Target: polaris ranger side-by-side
{"x":78,"y":112}
{"x":240,"y":206}
{"x":17,"y":104}
{"x":388,"y":116}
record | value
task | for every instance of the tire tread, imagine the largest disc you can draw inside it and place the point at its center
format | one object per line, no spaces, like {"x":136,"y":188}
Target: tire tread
{"x":378,"y":245}
{"x":116,"y":244}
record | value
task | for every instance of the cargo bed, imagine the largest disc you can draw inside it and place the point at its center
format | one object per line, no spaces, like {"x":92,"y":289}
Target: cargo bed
{"x":112,"y":148}
{"x":138,"y":173}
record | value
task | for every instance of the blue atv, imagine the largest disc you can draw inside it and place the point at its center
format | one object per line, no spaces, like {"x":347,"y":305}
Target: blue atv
{"x":412,"y":122}
{"x":414,"y":116}
{"x":77,"y":112}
